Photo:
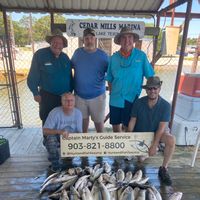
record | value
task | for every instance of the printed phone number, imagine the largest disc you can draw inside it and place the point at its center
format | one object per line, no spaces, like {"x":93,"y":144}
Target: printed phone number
{"x":106,"y":145}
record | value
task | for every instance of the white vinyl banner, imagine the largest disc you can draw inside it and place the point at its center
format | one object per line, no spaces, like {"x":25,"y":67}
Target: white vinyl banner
{"x":103,"y":29}
{"x":106,"y":144}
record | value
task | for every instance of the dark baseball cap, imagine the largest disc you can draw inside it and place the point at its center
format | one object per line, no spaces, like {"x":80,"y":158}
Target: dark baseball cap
{"x":89,"y":31}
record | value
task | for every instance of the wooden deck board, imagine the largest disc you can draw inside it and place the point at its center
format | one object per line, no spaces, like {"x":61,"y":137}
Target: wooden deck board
{"x":23,"y":173}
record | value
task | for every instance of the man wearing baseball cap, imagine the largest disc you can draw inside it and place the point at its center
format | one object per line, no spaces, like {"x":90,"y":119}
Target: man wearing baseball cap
{"x":126,"y":70}
{"x":50,"y":74}
{"x":90,"y":65}
{"x":151,"y":113}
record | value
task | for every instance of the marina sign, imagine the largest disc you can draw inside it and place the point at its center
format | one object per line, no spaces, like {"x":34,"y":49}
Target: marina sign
{"x":106,"y":144}
{"x":103,"y":29}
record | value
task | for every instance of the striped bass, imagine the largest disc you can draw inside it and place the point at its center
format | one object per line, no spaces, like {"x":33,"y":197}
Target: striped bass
{"x":55,"y":180}
{"x":137,"y":176}
{"x":73,"y":194}
{"x":120,"y":175}
{"x":141,"y":195}
{"x":157,"y":194}
{"x":127,"y":194}
{"x":176,"y":196}
{"x":86,"y":194}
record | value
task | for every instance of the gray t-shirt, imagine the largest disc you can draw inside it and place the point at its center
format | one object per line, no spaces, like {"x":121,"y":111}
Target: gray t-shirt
{"x":58,"y":120}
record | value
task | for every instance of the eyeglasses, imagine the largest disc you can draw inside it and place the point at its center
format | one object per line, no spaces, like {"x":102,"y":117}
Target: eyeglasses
{"x":152,"y":88}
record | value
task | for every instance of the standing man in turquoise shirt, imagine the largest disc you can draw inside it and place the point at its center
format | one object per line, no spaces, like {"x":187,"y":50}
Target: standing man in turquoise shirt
{"x":50,"y":74}
{"x":125,"y":74}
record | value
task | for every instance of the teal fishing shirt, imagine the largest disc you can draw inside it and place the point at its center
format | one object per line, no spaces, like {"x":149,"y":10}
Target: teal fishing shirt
{"x":49,"y":73}
{"x":126,"y":76}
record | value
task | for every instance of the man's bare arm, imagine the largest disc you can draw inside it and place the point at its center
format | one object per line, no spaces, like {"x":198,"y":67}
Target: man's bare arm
{"x":131,"y":124}
{"x":157,"y":137}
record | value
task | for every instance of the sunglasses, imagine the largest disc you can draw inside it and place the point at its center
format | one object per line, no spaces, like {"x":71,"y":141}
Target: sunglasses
{"x":152,"y":88}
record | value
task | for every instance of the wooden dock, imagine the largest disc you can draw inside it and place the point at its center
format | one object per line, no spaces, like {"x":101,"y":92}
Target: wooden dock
{"x":23,"y":173}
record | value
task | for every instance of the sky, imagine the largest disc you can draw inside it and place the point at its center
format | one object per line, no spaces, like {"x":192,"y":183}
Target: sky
{"x":194,"y":26}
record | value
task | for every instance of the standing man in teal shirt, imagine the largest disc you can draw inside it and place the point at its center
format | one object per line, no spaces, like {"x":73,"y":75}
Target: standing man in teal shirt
{"x":50,"y":74}
{"x":125,"y":74}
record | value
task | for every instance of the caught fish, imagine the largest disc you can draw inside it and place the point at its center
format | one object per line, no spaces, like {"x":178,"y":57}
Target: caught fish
{"x":137,"y":176}
{"x":83,"y":184}
{"x":95,"y":190}
{"x":96,"y":167}
{"x":57,"y":180}
{"x":74,"y":194}
{"x":142,"y":181}
{"x":78,"y":170}
{"x":128,"y":177}
{"x":55,"y":196}
{"x":107,"y":167}
{"x":127,"y":194}
{"x":50,"y":177}
{"x":113,"y":195}
{"x":79,"y":181}
{"x":64,"y":195}
{"x":141,"y":195}
{"x":176,"y":196}
{"x":111,"y":187}
{"x":109,"y":179}
{"x":86,"y":194}
{"x":67,"y":184}
{"x":104,"y":192}
{"x":155,"y":191}
{"x":120,"y":175}
{"x":71,"y":171}
{"x":96,"y":174}
{"x":136,"y":192}
{"x":100,"y":183}
{"x":89,"y":170}
{"x":150,"y":194}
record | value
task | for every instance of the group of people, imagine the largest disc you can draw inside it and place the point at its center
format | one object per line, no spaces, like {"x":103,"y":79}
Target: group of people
{"x":51,"y":81}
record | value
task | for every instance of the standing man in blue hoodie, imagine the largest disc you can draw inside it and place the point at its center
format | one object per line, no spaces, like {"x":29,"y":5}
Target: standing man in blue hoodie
{"x":50,"y":74}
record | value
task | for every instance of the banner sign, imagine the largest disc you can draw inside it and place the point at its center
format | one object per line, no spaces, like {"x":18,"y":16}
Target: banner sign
{"x":103,"y":29}
{"x":106,"y":144}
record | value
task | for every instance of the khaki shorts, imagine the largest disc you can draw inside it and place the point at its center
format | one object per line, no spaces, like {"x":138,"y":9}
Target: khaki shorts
{"x":92,"y":107}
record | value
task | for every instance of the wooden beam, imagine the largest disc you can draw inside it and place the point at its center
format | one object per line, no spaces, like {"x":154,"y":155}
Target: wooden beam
{"x":181,"y":15}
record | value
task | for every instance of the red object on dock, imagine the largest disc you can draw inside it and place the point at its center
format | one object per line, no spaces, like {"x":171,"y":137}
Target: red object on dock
{"x":190,"y":85}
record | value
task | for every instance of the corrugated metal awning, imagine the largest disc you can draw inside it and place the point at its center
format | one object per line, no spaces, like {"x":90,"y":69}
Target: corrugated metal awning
{"x":106,"y":7}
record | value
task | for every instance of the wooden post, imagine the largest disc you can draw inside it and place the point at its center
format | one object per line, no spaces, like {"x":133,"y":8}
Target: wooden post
{"x":173,"y":12}
{"x":196,"y":56}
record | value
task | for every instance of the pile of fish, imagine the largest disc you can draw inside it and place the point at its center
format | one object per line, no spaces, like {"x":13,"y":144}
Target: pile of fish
{"x":100,"y":183}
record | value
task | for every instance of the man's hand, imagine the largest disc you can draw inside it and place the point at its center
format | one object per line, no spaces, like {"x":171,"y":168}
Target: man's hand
{"x":65,"y":134}
{"x":152,"y":150}
{"x":37,"y":98}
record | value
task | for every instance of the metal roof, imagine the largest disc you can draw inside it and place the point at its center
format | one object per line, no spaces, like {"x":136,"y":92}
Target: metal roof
{"x":117,"y":7}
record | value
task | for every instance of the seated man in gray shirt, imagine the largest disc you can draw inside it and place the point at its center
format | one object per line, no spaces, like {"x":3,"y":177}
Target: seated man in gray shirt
{"x":61,"y":121}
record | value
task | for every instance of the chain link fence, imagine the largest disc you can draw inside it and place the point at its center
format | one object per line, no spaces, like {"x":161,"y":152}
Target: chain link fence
{"x":166,"y":68}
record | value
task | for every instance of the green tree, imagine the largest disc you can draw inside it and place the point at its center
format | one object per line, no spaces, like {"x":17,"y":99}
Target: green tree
{"x":1,"y":25}
{"x":41,"y":27}
{"x":25,"y":21}
{"x":21,"y":34}
{"x":192,"y":41}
